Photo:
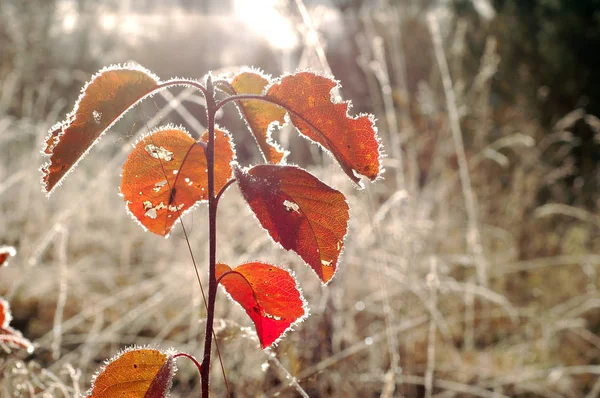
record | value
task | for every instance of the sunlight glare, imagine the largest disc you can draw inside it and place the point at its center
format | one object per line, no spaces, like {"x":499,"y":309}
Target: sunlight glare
{"x":263,"y":17}
{"x":131,"y":26}
{"x":69,"y":22}
{"x":109,"y":21}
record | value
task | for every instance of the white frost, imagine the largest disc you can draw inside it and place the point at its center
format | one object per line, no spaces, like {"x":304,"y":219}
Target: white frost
{"x":159,"y":185}
{"x":291,"y":206}
{"x":158,"y":152}
{"x":97,"y":116}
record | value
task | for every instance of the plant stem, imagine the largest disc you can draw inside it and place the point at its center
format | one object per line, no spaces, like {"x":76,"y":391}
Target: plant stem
{"x":261,"y":97}
{"x":212,"y":230}
{"x":191,"y":358}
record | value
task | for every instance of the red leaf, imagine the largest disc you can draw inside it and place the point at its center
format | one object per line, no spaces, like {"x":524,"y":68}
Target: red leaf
{"x":352,"y":141}
{"x":259,"y":115}
{"x":138,"y":372}
{"x":9,"y":336}
{"x":269,"y":294}
{"x":5,"y":253}
{"x":299,"y":212}
{"x":103,"y":100}
{"x":165,"y":175}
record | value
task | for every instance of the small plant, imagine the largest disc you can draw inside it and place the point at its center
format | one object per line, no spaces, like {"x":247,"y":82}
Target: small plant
{"x":170,"y":171}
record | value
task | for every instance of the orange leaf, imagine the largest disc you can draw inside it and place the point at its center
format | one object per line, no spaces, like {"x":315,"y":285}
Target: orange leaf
{"x":299,"y":211}
{"x":9,"y":336}
{"x":352,"y":141}
{"x":165,"y":175}
{"x":259,"y":115}
{"x":138,"y":372}
{"x":103,"y":100}
{"x":269,"y":294}
{"x":5,"y":253}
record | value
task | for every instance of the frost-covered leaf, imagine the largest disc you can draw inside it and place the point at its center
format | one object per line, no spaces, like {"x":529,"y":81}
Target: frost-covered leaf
{"x":166,"y":174}
{"x":135,"y":373}
{"x":352,"y":140}
{"x":259,"y":115}
{"x":103,"y":100}
{"x":269,"y":294}
{"x":299,"y":211}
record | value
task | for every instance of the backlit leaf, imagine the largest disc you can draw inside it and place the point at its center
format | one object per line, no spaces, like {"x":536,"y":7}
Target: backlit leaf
{"x":269,"y":294}
{"x":166,"y":174}
{"x":138,"y":372}
{"x":103,"y":100}
{"x":5,"y":253}
{"x":259,"y":114}
{"x":8,"y":335}
{"x":352,"y":141}
{"x":299,"y":211}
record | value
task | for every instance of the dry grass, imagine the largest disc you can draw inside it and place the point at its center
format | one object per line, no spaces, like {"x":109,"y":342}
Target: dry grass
{"x":466,"y":271}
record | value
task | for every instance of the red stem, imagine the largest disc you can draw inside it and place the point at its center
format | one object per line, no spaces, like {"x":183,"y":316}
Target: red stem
{"x":212,"y":231}
{"x":211,"y":109}
{"x":222,"y":191}
{"x":191,"y":358}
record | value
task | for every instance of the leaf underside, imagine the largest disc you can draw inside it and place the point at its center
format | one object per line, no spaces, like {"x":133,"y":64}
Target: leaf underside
{"x":269,"y":295}
{"x":166,"y":174}
{"x":299,"y":211}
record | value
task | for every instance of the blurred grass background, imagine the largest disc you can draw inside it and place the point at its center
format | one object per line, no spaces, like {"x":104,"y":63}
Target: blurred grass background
{"x":471,"y":270}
